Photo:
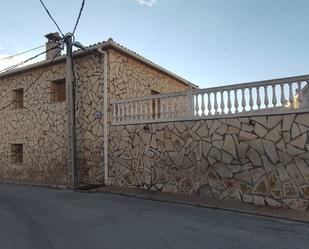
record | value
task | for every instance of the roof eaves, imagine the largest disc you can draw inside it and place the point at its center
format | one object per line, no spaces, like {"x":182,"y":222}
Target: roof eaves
{"x":111,"y":43}
{"x":103,"y":45}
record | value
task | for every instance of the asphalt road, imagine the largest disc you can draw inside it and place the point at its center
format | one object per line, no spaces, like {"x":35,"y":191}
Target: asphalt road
{"x":32,"y":217}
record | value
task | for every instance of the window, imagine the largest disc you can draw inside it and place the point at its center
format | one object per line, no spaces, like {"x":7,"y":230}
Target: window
{"x":58,"y":91}
{"x":17,"y":153}
{"x":18,"y":98}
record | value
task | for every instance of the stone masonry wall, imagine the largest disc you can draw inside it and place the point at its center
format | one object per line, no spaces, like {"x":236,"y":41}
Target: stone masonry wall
{"x":261,"y":160}
{"x":41,"y":126}
{"x":131,"y":78}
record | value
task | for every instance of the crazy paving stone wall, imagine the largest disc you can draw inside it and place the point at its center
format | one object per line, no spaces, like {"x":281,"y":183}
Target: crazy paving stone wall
{"x":41,"y":126}
{"x":89,"y":115}
{"x":131,"y":78}
{"x":260,"y":160}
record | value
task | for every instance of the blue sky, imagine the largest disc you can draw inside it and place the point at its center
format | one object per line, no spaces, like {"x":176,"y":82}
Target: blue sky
{"x":208,"y":42}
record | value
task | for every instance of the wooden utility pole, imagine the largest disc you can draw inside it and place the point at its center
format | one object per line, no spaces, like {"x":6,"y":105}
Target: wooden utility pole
{"x":71,"y":84}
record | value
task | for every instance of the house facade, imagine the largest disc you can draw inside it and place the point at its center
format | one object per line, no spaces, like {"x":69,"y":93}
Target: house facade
{"x":34,"y":111}
{"x":139,"y":125}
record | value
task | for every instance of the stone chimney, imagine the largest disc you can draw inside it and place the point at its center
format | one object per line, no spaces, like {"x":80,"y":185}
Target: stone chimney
{"x":53,"y":39}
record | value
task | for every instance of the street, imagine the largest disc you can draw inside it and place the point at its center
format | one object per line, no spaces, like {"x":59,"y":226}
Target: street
{"x":41,"y":218}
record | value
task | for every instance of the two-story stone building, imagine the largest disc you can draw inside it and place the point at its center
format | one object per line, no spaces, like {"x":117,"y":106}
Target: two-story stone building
{"x":34,"y":112}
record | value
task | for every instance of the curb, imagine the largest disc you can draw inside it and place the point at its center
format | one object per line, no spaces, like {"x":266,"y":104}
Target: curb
{"x":61,"y":187}
{"x":238,"y":207}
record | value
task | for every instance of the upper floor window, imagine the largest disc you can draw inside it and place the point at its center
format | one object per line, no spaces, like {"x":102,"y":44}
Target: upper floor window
{"x":58,"y":91}
{"x":18,"y":98}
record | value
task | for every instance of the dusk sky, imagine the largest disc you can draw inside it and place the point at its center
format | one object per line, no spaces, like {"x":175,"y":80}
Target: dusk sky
{"x":208,"y":42}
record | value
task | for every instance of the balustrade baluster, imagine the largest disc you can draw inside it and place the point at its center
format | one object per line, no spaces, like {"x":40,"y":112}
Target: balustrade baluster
{"x":291,"y":95}
{"x":203,"y":104}
{"x":216,"y":103}
{"x":250,"y":99}
{"x":197,"y":105}
{"x":163,"y":107}
{"x":300,"y":94}
{"x":266,"y":100}
{"x":222,"y":102}
{"x":134,"y":110}
{"x":139,"y":110}
{"x":209,"y":104}
{"x":130,"y":108}
{"x":229,"y":103}
{"x":127,"y":112}
{"x":243,"y":100}
{"x":121,"y":112}
{"x":283,"y":101}
{"x":168,"y":107}
{"x":180,"y":103}
{"x":115,"y":119}
{"x":150,"y":108}
{"x":176,"y":103}
{"x":146,"y":113}
{"x":175,"y":100}
{"x":258,"y":98}
{"x":274,"y":100}
{"x":236,"y":101}
{"x":155,"y":115}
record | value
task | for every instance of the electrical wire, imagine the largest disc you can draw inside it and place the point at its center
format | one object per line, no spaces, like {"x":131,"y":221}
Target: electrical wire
{"x":25,"y":61}
{"x":254,"y":42}
{"x":79,"y":15}
{"x":27,"y":89}
{"x":288,"y":3}
{"x":258,"y":20}
{"x":240,"y":28}
{"x":50,"y":16}
{"x":21,"y":53}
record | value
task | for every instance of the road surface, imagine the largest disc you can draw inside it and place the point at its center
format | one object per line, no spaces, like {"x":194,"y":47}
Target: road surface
{"x":40,"y":218}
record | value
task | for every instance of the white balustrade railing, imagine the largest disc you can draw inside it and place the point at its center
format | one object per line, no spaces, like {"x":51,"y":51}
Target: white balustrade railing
{"x":261,"y":97}
{"x":155,"y":107}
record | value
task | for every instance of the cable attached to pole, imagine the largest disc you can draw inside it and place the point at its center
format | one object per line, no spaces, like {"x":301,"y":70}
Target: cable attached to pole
{"x":25,"y":61}
{"x":79,"y":15}
{"x":21,"y":53}
{"x":50,"y":16}
{"x":27,"y":89}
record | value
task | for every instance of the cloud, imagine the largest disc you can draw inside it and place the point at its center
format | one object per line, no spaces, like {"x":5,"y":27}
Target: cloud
{"x":148,"y":3}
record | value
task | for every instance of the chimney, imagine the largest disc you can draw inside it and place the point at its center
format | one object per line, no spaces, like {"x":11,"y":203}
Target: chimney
{"x":53,"y":39}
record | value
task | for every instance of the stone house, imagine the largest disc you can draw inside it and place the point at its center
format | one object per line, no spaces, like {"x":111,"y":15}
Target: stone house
{"x":34,"y":114}
{"x":139,"y":125}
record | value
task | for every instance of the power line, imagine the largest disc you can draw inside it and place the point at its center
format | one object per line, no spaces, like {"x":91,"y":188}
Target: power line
{"x":27,"y":89}
{"x":21,"y":53}
{"x":264,"y":13}
{"x":258,"y":20}
{"x":50,"y":16}
{"x":79,"y":15}
{"x":288,"y":3}
{"x":254,"y":42}
{"x":25,"y":61}
{"x":238,"y":31}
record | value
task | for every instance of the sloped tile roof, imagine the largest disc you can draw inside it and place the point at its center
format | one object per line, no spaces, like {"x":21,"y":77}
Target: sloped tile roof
{"x":104,"y":45}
